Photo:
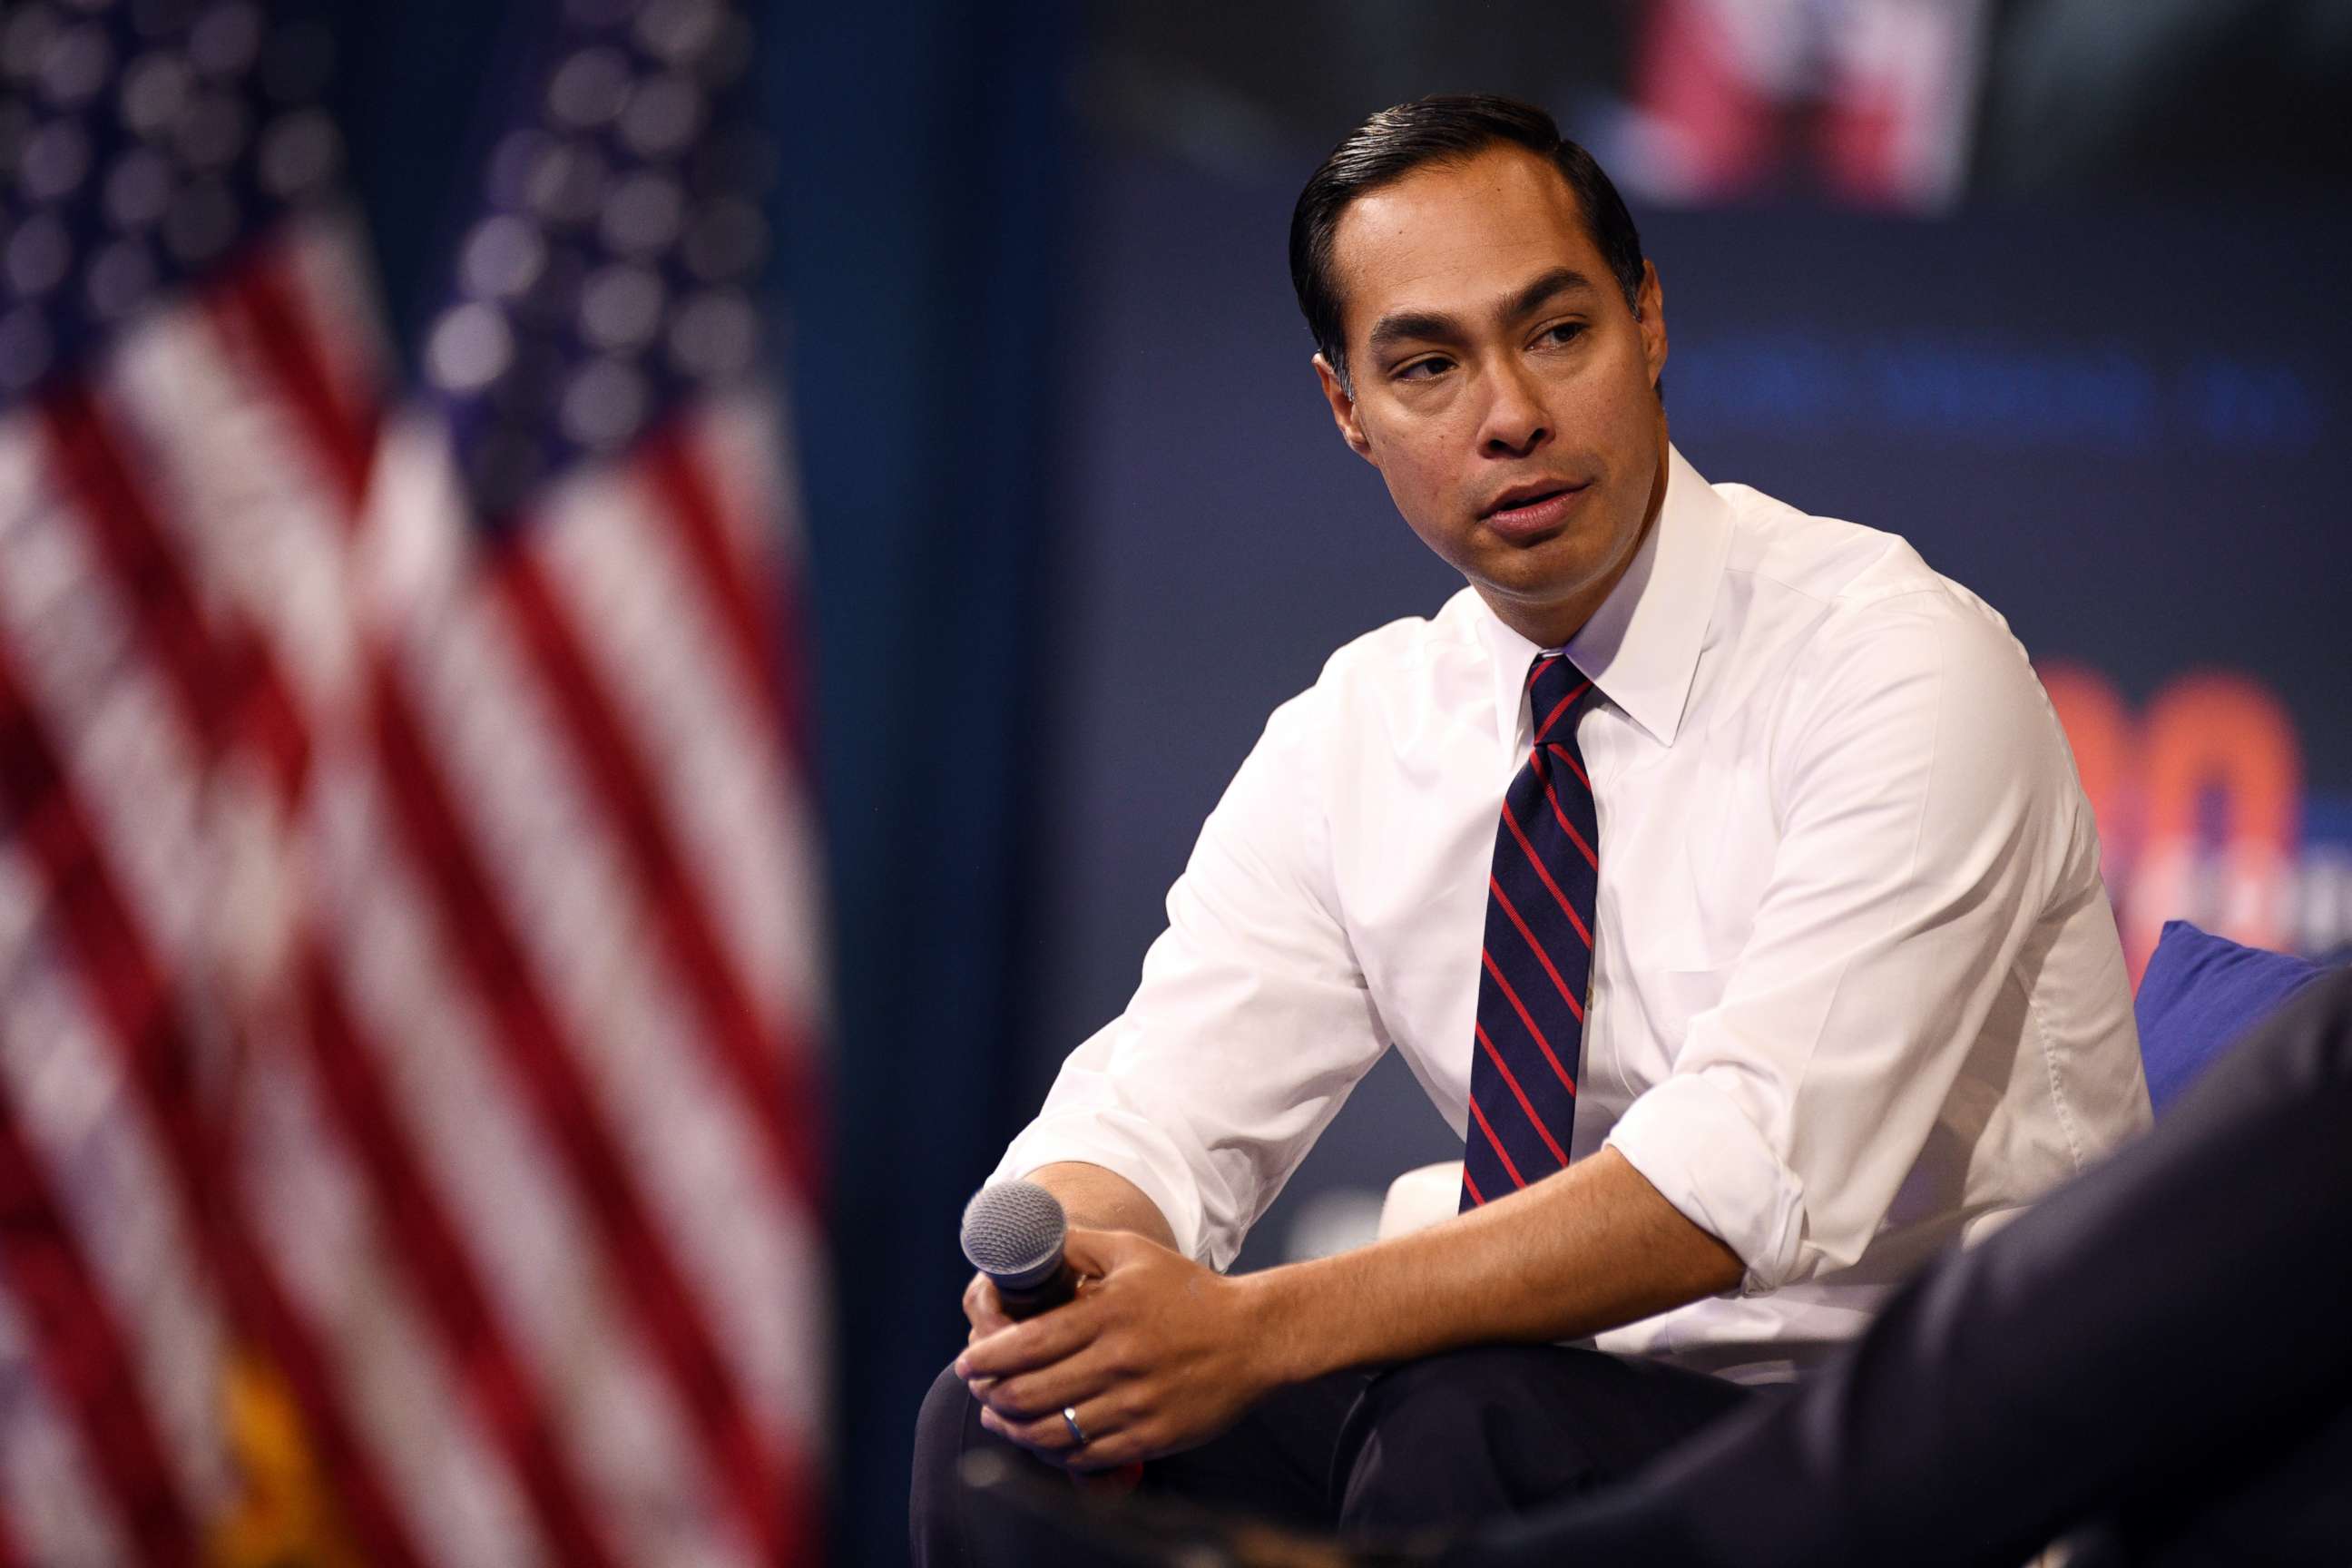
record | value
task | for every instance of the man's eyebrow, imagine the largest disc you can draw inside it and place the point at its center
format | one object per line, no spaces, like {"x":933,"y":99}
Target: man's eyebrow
{"x":1543,"y":290}
{"x":1404,"y":326}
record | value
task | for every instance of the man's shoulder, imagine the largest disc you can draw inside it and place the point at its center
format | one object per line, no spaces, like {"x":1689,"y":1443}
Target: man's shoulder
{"x":1847,"y":575}
{"x":1826,"y":559}
{"x":1390,"y":679}
{"x":1405,"y":647}
{"x":1835,"y":615}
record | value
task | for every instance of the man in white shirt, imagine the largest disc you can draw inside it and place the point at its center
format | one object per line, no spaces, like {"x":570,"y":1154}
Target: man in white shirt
{"x":1854,"y":991}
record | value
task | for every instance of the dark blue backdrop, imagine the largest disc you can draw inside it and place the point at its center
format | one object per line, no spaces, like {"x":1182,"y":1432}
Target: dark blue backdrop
{"x":922,"y":214}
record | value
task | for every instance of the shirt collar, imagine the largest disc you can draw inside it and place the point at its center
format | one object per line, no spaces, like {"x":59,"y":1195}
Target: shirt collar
{"x":1642,"y":646}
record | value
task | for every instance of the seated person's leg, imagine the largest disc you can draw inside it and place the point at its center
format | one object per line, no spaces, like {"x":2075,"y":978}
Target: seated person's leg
{"x":1275,"y":1463}
{"x":1502,"y":1429}
{"x":1472,"y":1435}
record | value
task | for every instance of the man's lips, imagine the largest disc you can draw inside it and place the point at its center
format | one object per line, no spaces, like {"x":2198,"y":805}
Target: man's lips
{"x":1531,"y":510}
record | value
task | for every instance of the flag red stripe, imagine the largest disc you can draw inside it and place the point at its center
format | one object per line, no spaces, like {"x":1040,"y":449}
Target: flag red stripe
{"x":1520,"y":1007}
{"x":787,"y":625}
{"x":434,"y":1257}
{"x":1502,"y":1153}
{"x":1558,"y":897}
{"x":525,"y":1029}
{"x":255,"y":308}
{"x":1519,"y":1094}
{"x":83,"y":1353}
{"x":615,"y":766}
{"x":217,"y":688}
{"x":116,"y":515}
{"x":126,"y":989}
{"x":733,"y":587}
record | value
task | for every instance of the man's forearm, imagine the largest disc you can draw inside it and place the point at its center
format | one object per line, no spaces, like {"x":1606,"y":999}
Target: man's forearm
{"x":1102,"y":1199}
{"x":1588,"y":1249}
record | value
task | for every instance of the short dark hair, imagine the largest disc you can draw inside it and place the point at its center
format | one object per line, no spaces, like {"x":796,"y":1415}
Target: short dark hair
{"x":1443,"y":129}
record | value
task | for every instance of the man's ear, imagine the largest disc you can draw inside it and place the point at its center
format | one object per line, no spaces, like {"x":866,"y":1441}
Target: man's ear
{"x":1343,"y":411}
{"x":1650,"y":310}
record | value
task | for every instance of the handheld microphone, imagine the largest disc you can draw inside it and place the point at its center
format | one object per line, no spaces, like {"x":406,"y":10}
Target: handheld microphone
{"x":1014,"y":1233}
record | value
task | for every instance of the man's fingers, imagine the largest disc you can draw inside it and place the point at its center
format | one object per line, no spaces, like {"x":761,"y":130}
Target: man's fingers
{"x":1032,"y":1396}
{"x":1050,"y":1434}
{"x":982,"y":1308}
{"x":1049,"y":1440}
{"x":1040,"y":1341}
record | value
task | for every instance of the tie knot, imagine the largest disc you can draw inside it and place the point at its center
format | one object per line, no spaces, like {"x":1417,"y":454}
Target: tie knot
{"x":1557,"y":693}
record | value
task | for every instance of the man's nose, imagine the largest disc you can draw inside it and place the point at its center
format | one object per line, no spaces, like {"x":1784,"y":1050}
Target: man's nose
{"x":1515,"y":424}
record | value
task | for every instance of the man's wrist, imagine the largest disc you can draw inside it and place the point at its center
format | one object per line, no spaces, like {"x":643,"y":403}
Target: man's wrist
{"x":1279,"y":1313}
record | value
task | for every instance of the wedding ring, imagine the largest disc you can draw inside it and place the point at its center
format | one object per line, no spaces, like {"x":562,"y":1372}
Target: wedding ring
{"x":1070,"y":1419}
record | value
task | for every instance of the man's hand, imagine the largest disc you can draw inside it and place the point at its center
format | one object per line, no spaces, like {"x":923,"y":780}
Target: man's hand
{"x":1155,"y":1354}
{"x":1089,"y":1195}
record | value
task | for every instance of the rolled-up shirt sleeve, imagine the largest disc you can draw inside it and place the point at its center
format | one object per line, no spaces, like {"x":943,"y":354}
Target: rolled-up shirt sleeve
{"x":1923,"y":795}
{"x":1252,"y":1020}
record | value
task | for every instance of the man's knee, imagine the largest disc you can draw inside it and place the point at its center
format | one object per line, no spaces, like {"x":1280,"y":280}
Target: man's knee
{"x":1437,"y":1440}
{"x":941,"y":1435}
{"x":1499,"y":1429}
{"x":1439,"y":1395}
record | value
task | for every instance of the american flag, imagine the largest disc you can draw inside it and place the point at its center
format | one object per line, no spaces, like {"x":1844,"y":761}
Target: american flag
{"x":408,"y":950}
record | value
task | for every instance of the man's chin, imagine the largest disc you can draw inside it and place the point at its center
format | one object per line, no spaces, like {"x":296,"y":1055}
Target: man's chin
{"x":1544,"y":608}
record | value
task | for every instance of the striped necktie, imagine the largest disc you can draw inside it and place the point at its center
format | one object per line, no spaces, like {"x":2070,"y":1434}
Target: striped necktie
{"x":1538,"y":957}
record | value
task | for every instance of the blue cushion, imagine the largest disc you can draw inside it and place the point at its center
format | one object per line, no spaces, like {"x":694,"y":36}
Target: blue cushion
{"x":2201,"y":992}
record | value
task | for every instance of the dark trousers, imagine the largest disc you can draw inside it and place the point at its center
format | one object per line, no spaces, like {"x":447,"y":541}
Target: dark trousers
{"x":1477,"y":1434}
{"x":2154,"y":1363}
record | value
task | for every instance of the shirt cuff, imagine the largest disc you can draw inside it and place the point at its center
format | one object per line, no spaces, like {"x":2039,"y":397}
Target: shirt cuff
{"x":1127,"y":1145}
{"x":1690,"y":1139}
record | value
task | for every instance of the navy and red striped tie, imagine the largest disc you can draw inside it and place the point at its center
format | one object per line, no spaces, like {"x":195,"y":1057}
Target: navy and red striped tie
{"x":1537,"y":964}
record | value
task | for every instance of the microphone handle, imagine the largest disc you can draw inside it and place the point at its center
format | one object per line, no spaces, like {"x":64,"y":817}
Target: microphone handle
{"x":1046,"y":1295}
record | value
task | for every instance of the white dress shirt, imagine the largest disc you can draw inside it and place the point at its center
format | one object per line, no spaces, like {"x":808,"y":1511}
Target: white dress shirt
{"x":1856,"y":987}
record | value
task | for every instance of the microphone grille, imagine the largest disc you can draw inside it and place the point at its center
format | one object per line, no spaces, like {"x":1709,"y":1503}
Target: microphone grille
{"x":1014,"y":1228}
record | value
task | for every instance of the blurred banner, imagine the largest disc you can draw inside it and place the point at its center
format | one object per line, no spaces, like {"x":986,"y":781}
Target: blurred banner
{"x":408,"y":953}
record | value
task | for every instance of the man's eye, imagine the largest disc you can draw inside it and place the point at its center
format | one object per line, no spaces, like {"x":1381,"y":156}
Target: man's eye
{"x":1564,"y":334}
{"x":1422,"y":369}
